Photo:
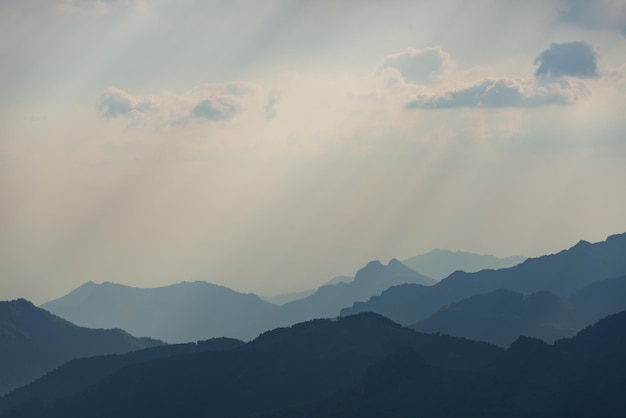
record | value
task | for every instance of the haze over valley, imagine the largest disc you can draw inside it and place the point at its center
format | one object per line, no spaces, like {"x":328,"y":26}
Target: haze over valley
{"x":292,"y":208}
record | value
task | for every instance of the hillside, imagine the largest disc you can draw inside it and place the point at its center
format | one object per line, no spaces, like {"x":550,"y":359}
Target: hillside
{"x":279,"y":370}
{"x":439,"y":264}
{"x":561,"y":274}
{"x":366,"y":366}
{"x":178,"y":313}
{"x":33,"y":342}
{"x":501,"y":316}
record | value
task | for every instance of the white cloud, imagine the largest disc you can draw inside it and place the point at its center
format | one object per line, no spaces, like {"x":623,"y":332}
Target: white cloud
{"x":503,"y":93}
{"x":118,"y":103}
{"x":212,"y":102}
{"x":419,"y":65}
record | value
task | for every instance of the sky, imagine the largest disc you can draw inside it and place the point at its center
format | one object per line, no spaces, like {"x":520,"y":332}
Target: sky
{"x":270,"y":145}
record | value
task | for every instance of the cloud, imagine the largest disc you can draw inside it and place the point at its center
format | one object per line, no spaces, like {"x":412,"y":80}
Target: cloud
{"x":116,"y":102}
{"x":573,"y":59}
{"x":270,"y":105}
{"x":213,"y":102}
{"x":502,"y":93}
{"x":216,"y":109}
{"x":595,"y":14}
{"x":418,"y":65}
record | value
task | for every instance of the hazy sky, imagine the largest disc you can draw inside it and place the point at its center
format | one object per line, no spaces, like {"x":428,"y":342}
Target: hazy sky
{"x":271,"y":145}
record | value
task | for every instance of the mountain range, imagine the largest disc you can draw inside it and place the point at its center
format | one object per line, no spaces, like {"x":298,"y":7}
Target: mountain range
{"x":183,"y":312}
{"x":362,"y":366}
{"x":562,"y":274}
{"x":33,"y":342}
{"x":439,"y":263}
{"x":501,"y":316}
{"x":196,"y":311}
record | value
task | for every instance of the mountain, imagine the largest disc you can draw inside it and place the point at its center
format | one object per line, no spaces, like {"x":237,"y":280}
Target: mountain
{"x":501,"y":316}
{"x":188,"y":311}
{"x":76,"y":374}
{"x":365,"y":366}
{"x":439,"y":264}
{"x":33,"y":342}
{"x":194,"y":311}
{"x":578,"y":377}
{"x":283,"y":298}
{"x":561,"y":273}
{"x":279,"y":370}
{"x":328,"y":300}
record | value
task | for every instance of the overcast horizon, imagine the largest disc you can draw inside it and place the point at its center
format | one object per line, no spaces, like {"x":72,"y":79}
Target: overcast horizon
{"x":270,"y":145}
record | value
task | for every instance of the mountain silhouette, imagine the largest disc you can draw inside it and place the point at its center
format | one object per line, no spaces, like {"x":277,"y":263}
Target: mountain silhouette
{"x":194,"y":311}
{"x":439,"y":264}
{"x":365,"y":366}
{"x":330,"y":299}
{"x":577,"y":377}
{"x":82,"y":372}
{"x":33,"y":342}
{"x":184,"y":312}
{"x":561,"y":274}
{"x":279,"y":370}
{"x":501,"y":316}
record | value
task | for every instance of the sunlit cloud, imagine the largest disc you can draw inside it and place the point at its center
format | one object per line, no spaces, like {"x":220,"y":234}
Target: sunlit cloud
{"x":555,"y":83}
{"x":504,"y":93}
{"x":210,"y":102}
{"x":419,"y":65}
{"x":118,"y":103}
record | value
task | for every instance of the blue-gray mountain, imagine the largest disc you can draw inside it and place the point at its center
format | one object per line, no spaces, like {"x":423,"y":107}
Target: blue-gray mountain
{"x":196,"y":311}
{"x":33,"y":342}
{"x":501,"y":316}
{"x":439,"y":264}
{"x":561,"y":273}
{"x":184,"y":312}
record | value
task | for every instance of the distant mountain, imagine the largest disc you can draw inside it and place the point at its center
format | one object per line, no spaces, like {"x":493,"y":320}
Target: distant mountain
{"x":283,"y":298}
{"x":194,"y":311}
{"x":501,"y":316}
{"x":281,"y":369}
{"x":33,"y":342}
{"x":365,"y":366}
{"x":561,"y":273}
{"x":439,"y":264}
{"x":328,"y":300}
{"x":178,"y":313}
{"x":77,"y":374}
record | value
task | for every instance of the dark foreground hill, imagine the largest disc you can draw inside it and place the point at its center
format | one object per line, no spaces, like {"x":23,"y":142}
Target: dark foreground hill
{"x":579,"y":377}
{"x":561,"y":274}
{"x":77,"y":374}
{"x":183,"y":312}
{"x":33,"y":341}
{"x":281,"y":369}
{"x":366,"y":366}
